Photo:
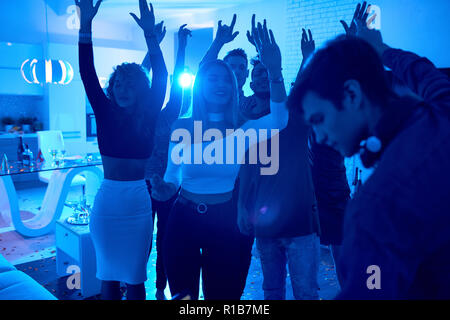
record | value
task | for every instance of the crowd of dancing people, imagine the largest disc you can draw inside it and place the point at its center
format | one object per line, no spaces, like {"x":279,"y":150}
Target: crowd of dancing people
{"x":343,"y":102}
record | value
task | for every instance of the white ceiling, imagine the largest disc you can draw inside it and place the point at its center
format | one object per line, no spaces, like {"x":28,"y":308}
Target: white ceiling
{"x":166,"y":9}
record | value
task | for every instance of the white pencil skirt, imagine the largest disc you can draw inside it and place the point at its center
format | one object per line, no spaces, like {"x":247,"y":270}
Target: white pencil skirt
{"x":121,"y":227}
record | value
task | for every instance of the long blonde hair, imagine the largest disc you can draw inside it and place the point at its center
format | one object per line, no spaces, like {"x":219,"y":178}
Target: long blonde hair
{"x":199,"y":110}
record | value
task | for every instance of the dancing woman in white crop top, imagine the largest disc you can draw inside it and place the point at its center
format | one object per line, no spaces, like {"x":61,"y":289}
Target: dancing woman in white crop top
{"x":204,"y":216}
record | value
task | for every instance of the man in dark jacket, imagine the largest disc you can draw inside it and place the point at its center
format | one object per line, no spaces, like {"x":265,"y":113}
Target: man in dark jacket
{"x":332,"y":194}
{"x":396,"y":242}
{"x":282,"y":212}
{"x":280,"y":209}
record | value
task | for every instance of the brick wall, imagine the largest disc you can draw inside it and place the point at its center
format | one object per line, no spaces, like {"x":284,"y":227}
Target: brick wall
{"x":322,"y":17}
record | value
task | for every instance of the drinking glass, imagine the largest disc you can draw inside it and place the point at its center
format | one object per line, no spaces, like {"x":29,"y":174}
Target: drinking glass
{"x":62,"y":154}
{"x":53,"y":153}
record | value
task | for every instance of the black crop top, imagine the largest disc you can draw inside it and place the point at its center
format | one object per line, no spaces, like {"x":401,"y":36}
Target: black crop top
{"x":121,"y":133}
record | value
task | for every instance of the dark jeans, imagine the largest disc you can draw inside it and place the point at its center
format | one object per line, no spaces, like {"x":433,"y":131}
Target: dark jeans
{"x":162,"y":210}
{"x":210,"y":242}
{"x":246,"y":246}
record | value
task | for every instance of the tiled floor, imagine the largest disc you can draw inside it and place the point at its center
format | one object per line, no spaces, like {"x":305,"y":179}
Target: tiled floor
{"x":21,"y":251}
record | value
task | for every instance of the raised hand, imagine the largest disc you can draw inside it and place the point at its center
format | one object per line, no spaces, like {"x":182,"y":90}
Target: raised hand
{"x":351,"y":31}
{"x":160,"y":31}
{"x":308,"y":44}
{"x":250,"y":35}
{"x":183,"y":33}
{"x":86,"y":12}
{"x":147,"y":20}
{"x":360,"y":15}
{"x":372,"y":36}
{"x":269,"y":52}
{"x":225,"y":33}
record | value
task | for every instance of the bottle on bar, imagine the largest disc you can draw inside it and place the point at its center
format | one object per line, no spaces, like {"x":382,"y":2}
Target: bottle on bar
{"x":39,"y":157}
{"x":20,"y":150}
{"x":27,"y":156}
{"x":4,"y":166}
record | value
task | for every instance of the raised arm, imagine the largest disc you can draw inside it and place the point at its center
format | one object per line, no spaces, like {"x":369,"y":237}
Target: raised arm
{"x":159,"y":71}
{"x":224,"y":35}
{"x":94,"y":92}
{"x":270,"y":56}
{"x":308,"y":46}
{"x":172,"y":109}
{"x":252,"y":32}
{"x":146,"y":64}
{"x":170,"y":113}
{"x":418,"y":73}
{"x":160,"y":33}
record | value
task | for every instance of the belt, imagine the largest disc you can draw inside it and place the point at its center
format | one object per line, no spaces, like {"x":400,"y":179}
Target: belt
{"x":201,"y":207}
{"x":207,"y":198}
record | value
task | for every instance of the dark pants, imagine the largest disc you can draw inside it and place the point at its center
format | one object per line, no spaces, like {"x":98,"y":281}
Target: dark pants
{"x":161,"y":209}
{"x":210,"y":242}
{"x":246,"y":245}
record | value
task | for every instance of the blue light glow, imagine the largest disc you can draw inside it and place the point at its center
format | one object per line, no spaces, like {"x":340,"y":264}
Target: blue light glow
{"x":186,"y":79}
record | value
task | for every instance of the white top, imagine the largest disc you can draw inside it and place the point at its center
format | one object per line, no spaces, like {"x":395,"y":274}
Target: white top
{"x":205,"y":167}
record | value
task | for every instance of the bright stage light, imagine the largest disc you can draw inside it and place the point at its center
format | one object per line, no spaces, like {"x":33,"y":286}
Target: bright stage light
{"x":186,"y":80}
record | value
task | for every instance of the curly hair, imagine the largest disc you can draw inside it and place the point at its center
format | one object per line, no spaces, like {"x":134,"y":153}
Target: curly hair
{"x":132,"y":71}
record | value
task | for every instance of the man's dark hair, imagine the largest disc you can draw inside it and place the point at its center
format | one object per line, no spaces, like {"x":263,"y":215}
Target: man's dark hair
{"x":236,"y":53}
{"x":342,"y":59}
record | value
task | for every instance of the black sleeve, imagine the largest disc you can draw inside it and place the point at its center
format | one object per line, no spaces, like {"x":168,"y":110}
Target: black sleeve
{"x":172,"y":110}
{"x":94,"y":91}
{"x":419,"y":74}
{"x":159,"y":80}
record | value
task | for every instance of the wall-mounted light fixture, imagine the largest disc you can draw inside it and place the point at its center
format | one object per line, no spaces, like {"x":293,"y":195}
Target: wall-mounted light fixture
{"x":47,"y":71}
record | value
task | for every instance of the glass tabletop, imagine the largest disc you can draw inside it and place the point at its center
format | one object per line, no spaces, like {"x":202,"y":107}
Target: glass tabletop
{"x":15,"y":167}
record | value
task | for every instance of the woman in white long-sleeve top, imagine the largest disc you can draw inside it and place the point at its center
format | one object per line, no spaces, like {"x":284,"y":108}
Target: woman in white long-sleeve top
{"x":202,"y":232}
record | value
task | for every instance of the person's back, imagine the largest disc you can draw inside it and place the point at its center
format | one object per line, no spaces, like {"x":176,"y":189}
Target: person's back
{"x":282,"y":213}
{"x":406,"y":203}
{"x":284,"y":204}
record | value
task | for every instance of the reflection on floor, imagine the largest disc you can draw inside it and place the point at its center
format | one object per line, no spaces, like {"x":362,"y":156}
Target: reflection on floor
{"x":36,"y":257}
